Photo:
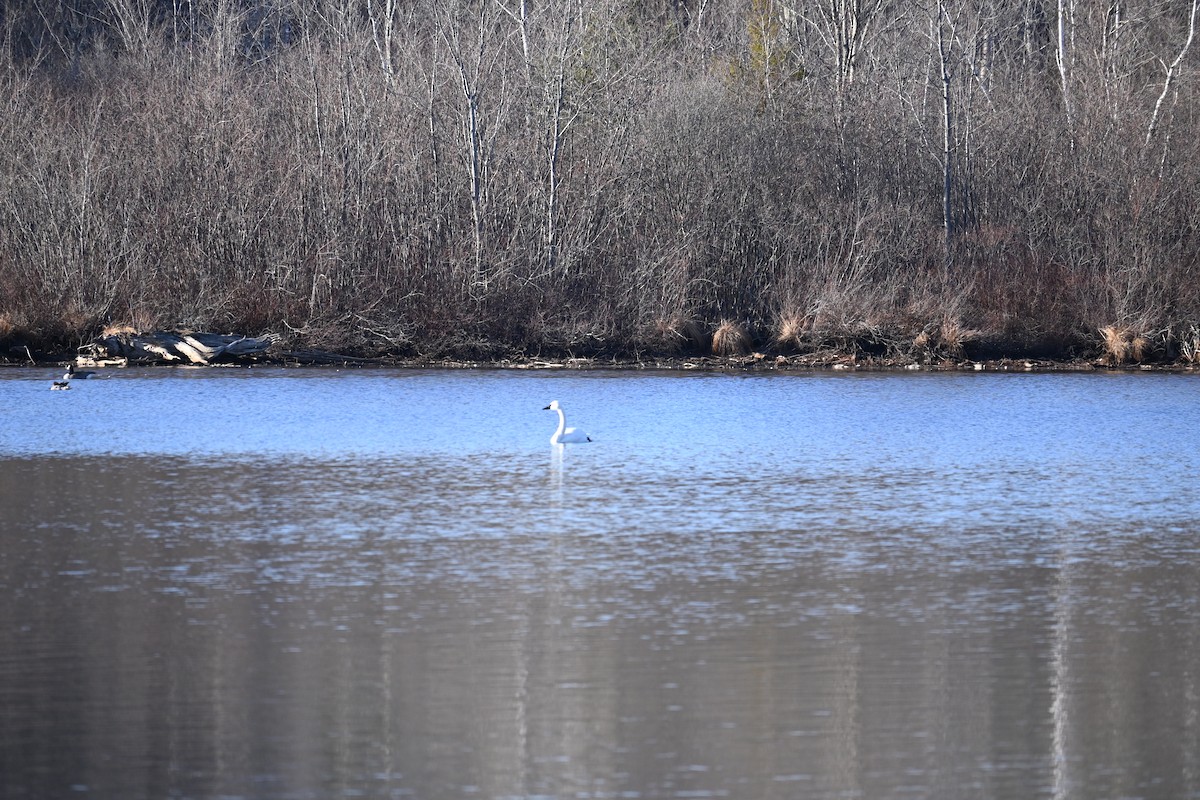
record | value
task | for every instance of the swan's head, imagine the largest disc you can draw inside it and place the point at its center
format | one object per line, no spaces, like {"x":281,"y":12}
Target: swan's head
{"x":552,"y":407}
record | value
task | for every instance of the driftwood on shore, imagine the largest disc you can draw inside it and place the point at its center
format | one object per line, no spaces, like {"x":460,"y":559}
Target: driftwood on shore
{"x":183,"y":347}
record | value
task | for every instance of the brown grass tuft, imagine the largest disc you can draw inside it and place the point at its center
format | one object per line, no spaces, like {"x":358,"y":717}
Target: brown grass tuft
{"x":730,"y":339}
{"x":1118,"y":344}
{"x":1139,"y":348}
{"x":678,"y":334}
{"x":117,"y":328}
{"x":947,"y":339}
{"x":791,"y":330}
{"x":955,"y":337}
{"x":1189,"y":344}
{"x":1123,"y":344}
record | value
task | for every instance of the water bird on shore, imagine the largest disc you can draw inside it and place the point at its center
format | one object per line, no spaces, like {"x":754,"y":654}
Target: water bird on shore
{"x":565,"y":435}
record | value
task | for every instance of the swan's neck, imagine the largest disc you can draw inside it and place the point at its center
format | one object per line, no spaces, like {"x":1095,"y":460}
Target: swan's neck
{"x":562,"y":424}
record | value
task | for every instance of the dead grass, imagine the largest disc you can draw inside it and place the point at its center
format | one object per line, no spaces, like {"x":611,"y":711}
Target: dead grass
{"x":923,"y":343}
{"x":955,"y":337}
{"x":1123,"y":344}
{"x":1189,"y":344}
{"x":138,"y":320}
{"x":1139,"y":348}
{"x":730,"y":339}
{"x":947,"y":339}
{"x":791,"y":330}
{"x":676,"y":335}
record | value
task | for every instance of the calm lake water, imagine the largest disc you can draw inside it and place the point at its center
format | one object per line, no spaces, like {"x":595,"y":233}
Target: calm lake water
{"x":277,"y":583}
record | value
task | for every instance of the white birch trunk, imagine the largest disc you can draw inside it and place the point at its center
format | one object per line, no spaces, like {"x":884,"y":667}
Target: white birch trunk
{"x":1172,"y":73}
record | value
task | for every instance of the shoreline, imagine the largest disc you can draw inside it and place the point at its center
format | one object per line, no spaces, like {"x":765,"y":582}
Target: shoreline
{"x":125,"y":348}
{"x":752,"y":363}
{"x":729,"y":348}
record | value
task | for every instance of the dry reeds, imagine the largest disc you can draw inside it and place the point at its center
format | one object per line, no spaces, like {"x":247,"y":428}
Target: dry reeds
{"x":1189,"y":345}
{"x":730,"y":339}
{"x":676,"y":335}
{"x":118,"y":328}
{"x":947,"y":339}
{"x":954,"y":337}
{"x":1123,"y":345}
{"x":1116,"y":344}
{"x":1139,"y":348}
{"x":791,"y":330}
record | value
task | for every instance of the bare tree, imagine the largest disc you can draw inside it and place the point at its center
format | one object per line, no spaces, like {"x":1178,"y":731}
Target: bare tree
{"x":1172,"y":73}
{"x":946,"y":74}
{"x":382,"y":15}
{"x":847,"y":29}
{"x":473,"y":43}
{"x":133,"y":21}
{"x":1064,"y":57}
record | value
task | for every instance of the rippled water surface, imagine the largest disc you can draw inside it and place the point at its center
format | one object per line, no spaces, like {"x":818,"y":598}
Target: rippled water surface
{"x":278,"y":583}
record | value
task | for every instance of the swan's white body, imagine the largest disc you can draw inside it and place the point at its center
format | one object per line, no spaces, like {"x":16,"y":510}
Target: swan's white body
{"x":565,"y":435}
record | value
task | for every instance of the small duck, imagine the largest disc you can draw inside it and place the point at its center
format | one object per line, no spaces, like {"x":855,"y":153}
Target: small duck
{"x":65,"y":383}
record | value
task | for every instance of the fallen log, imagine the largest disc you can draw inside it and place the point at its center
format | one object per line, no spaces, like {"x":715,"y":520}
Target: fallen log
{"x":181,"y":346}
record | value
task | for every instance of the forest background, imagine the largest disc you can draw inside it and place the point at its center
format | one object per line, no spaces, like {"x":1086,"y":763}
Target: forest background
{"x":495,"y":178}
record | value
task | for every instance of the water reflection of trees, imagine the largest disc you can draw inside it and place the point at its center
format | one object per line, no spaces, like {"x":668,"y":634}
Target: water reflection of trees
{"x":209,"y":664}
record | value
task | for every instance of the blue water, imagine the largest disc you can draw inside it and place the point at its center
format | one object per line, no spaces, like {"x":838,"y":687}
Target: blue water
{"x":303,"y":583}
{"x":926,"y":451}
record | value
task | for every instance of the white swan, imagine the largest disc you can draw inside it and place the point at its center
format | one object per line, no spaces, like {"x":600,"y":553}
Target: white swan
{"x":564,"y":434}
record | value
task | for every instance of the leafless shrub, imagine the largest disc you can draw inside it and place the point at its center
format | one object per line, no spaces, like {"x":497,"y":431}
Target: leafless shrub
{"x":349,"y":170}
{"x":138,"y":320}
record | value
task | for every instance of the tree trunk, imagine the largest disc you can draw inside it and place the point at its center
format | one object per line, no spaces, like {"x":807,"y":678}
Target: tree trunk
{"x":947,"y":141}
{"x":1168,"y":81}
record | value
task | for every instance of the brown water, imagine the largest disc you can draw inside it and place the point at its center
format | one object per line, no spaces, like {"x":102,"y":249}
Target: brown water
{"x":386,"y":584}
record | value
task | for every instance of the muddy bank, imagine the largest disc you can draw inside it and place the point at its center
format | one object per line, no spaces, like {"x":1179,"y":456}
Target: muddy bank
{"x":755,"y":362}
{"x":125,"y":347}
